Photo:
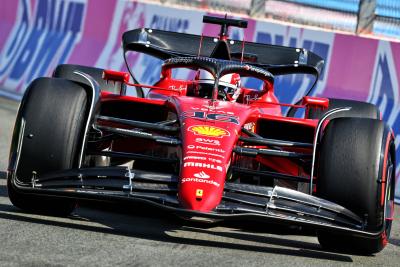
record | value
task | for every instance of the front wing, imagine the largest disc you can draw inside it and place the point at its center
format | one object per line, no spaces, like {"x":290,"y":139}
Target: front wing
{"x":239,"y":201}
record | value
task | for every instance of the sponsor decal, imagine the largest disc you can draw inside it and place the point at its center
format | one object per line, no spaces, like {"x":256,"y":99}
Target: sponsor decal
{"x":207,"y":141}
{"x":211,"y":149}
{"x":201,"y":175}
{"x":198,"y":180}
{"x":179,"y":60}
{"x":210,"y":131}
{"x":44,"y":35}
{"x":194,"y":158}
{"x":257,"y":70}
{"x":210,"y":116}
{"x":202,"y":158}
{"x":204,"y":153}
{"x":179,"y":89}
{"x":199,"y":192}
{"x":250,"y":126}
{"x":214,"y":109}
{"x":203,"y":165}
{"x":215,"y":160}
{"x":169,"y":23}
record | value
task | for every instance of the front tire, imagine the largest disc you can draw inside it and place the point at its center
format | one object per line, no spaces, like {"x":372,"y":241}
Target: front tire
{"x":356,"y":170}
{"x":48,"y":133}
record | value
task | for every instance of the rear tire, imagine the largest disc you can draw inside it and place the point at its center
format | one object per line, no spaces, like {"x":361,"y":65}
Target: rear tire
{"x":356,"y":158}
{"x":54,"y":112}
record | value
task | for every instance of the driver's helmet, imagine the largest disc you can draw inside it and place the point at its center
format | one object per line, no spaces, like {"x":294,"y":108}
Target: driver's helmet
{"x":229,"y":85}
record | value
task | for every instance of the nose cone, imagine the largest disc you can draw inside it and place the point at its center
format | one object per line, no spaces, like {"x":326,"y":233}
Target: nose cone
{"x":206,"y":154}
{"x":194,"y":195}
{"x":209,"y":131}
{"x":202,"y":181}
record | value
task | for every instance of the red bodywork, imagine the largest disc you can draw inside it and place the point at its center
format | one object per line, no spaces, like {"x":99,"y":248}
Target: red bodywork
{"x":210,"y":129}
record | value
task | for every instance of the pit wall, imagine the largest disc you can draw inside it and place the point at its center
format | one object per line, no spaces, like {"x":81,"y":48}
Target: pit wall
{"x":37,"y":35}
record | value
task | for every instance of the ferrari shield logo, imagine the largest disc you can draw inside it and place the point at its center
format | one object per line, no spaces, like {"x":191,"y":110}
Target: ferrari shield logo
{"x":199,"y":193}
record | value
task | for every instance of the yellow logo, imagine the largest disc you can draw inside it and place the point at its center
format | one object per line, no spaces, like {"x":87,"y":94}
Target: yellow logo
{"x":199,"y":193}
{"x":209,"y":131}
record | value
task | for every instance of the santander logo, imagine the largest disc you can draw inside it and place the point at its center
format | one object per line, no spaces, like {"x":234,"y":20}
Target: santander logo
{"x":201,"y":175}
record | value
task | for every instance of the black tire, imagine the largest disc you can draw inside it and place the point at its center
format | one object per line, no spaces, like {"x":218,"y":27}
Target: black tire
{"x":356,"y":156}
{"x":54,"y":111}
{"x":358,"y":109}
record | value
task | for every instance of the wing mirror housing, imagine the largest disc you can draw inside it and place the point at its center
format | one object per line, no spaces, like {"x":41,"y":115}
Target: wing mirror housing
{"x":311,"y":102}
{"x":116,"y":76}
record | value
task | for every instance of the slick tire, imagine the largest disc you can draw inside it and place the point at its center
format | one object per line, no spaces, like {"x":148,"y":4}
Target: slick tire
{"x":49,"y":131}
{"x":358,"y":109}
{"x":356,"y":170}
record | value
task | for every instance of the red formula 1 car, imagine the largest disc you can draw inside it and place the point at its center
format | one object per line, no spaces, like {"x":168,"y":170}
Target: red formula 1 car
{"x":207,"y":147}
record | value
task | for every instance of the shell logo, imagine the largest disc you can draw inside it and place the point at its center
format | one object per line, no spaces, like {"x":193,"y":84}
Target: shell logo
{"x":209,"y":131}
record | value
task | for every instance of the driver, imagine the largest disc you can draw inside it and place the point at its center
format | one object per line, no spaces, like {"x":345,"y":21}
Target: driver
{"x":228,"y":86}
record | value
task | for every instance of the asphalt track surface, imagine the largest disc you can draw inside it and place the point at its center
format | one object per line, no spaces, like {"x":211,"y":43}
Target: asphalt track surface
{"x":108,"y":234}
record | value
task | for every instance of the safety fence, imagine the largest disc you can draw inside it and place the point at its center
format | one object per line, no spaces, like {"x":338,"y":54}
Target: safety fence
{"x":37,"y":35}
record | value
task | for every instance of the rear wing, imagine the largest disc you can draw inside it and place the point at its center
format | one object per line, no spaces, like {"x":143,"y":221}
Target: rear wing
{"x":276,"y":59}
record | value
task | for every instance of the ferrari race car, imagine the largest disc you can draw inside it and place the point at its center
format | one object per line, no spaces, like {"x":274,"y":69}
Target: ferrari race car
{"x":206,"y":147}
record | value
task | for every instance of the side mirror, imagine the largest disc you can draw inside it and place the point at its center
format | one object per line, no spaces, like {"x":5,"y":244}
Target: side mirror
{"x":311,"y":102}
{"x":116,"y":76}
